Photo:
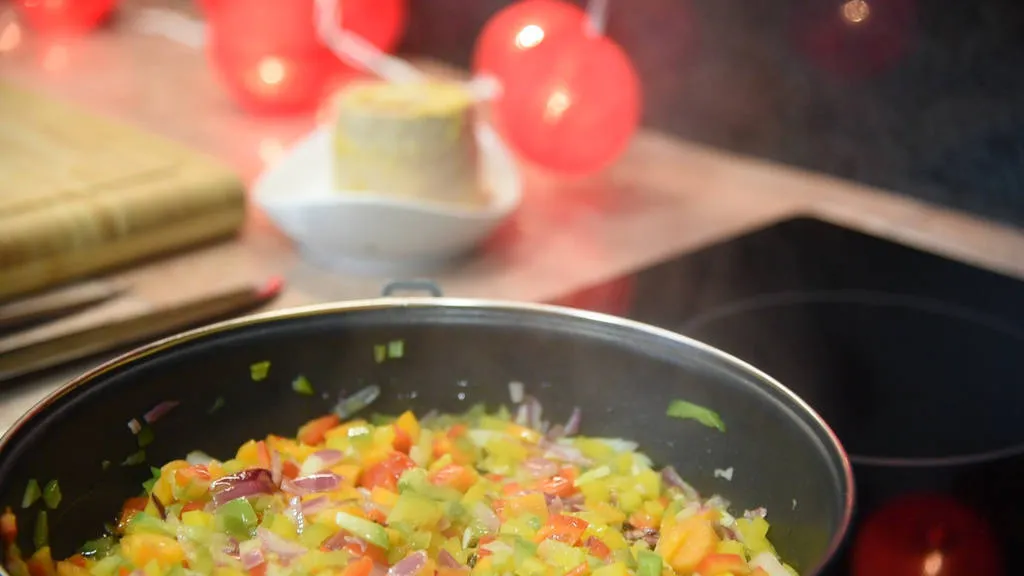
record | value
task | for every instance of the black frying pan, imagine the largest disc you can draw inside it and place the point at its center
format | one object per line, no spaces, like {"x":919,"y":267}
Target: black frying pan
{"x":456,"y":353}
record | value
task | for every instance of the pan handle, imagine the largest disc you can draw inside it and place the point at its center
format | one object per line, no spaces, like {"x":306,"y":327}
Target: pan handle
{"x":394,"y":286}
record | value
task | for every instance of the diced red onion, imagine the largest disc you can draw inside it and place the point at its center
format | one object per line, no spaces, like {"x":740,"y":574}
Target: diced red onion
{"x":276,"y":466}
{"x":134,"y":426}
{"x":761,"y":512}
{"x":315,"y":505}
{"x":572,"y":425}
{"x":160,"y":410}
{"x":295,"y":512}
{"x":246,"y":483}
{"x":573,"y":503}
{"x":320,"y":460}
{"x":568,"y":454}
{"x":445,"y":559}
{"x":515,"y":392}
{"x":522,"y":416}
{"x":672,"y":478}
{"x":555,"y":504}
{"x":411,"y":565}
{"x":251,"y":554}
{"x":541,"y":467}
{"x":198,"y":457}
{"x":488,"y":519}
{"x":534,"y":410}
{"x":341,"y":540}
{"x":312,"y":484}
{"x":278,"y":545}
{"x":769,"y":563}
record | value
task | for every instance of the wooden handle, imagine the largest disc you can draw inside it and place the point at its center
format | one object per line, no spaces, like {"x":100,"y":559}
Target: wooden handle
{"x":36,"y":350}
{"x":56,"y":303}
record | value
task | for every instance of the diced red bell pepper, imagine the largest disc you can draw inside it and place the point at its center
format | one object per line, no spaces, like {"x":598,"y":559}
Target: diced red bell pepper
{"x":565,"y":529}
{"x":312,"y":432}
{"x":387,"y":472}
{"x":360,"y":567}
{"x":132,"y":506}
{"x":598,"y":548}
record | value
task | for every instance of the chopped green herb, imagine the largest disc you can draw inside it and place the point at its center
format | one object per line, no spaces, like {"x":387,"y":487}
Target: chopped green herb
{"x":98,"y":548}
{"x":302,"y":386}
{"x":380,"y":353}
{"x":218,"y":403}
{"x":135,"y":458}
{"x":259,"y":370}
{"x":145,"y":436}
{"x":41,"y":536}
{"x":689,"y":411}
{"x":148,"y":484}
{"x":32,"y":493}
{"x":51,"y":494}
{"x":396,"y":348}
{"x":105,"y":464}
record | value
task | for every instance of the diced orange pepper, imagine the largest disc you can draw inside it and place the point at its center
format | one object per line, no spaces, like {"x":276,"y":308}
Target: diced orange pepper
{"x":511,"y":489}
{"x":312,"y":432}
{"x":532,"y":503}
{"x":69,"y":568}
{"x":457,"y":431}
{"x":402,"y":441}
{"x":442,"y":445}
{"x":580,"y":570}
{"x":598,"y":548}
{"x":365,"y":550}
{"x":132,"y":506}
{"x":686,"y":543}
{"x":445,"y":571}
{"x":565,"y":529}
{"x":721,"y":564}
{"x":289,"y":470}
{"x":360,"y":567}
{"x":41,"y":563}
{"x":461,"y":478}
{"x":640,"y":519}
{"x":8,"y":526}
{"x":258,"y":570}
{"x":196,"y":505}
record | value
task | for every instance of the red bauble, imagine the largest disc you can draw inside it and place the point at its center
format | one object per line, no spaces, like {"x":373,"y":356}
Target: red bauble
{"x":521,"y":27}
{"x":926,"y":534}
{"x":270,"y":58}
{"x":65,"y":16}
{"x":571,"y":105}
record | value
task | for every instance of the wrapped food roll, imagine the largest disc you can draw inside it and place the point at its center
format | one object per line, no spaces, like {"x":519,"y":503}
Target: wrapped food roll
{"x":409,"y":140}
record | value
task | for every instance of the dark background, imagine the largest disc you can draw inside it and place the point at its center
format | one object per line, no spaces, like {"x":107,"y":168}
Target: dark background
{"x":924,"y":97}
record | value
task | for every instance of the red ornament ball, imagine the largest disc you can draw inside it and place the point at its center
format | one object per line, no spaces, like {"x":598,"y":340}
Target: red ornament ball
{"x":521,"y":27}
{"x":65,"y":16}
{"x":271,"y":60}
{"x":571,"y":106}
{"x":926,"y":534}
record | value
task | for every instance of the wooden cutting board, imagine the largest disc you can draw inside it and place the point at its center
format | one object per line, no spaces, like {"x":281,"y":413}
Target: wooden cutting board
{"x":80,"y":194}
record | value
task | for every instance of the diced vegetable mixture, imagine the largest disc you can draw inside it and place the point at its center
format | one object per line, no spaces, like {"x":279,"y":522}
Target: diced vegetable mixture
{"x":478,"y":494}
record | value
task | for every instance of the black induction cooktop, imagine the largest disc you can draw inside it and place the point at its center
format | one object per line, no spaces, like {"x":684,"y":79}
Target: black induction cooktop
{"x":915,"y":360}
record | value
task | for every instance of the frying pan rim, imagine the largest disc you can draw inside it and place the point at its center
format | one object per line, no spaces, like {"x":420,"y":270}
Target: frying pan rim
{"x":381,"y":303}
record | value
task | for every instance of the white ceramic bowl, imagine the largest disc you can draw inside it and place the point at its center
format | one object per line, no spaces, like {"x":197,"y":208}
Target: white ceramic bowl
{"x":377,"y":233}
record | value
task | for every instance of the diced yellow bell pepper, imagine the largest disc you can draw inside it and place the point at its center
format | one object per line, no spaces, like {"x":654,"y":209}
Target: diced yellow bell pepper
{"x":532,"y":503}
{"x":143,"y":547}
{"x":198,"y":518}
{"x":687,"y":543}
{"x":408,"y":423}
